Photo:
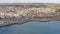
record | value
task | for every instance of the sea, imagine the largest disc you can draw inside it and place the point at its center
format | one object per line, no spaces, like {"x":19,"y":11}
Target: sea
{"x":32,"y":27}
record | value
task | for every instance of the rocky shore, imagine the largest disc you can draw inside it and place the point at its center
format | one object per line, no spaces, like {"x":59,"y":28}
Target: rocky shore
{"x":22,"y":13}
{"x":10,"y":21}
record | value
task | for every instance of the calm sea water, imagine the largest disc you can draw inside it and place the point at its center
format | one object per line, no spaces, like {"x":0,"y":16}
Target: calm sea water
{"x":52,"y":27}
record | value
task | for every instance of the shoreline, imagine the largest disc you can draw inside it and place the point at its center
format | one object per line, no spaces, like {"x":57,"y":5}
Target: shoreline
{"x":10,"y":21}
{"x":24,"y":12}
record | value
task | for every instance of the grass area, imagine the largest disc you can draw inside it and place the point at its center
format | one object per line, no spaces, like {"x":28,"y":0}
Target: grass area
{"x":54,"y":6}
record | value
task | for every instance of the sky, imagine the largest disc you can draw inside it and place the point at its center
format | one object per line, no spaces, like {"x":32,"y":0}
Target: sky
{"x":29,"y":1}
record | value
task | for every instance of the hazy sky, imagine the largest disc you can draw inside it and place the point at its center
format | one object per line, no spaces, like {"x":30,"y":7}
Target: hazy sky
{"x":29,"y":1}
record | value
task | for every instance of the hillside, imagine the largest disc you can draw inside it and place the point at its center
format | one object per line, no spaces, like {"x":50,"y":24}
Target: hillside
{"x":9,"y":10}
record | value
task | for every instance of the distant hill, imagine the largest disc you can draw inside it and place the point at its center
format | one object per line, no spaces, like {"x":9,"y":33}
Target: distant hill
{"x":30,"y":5}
